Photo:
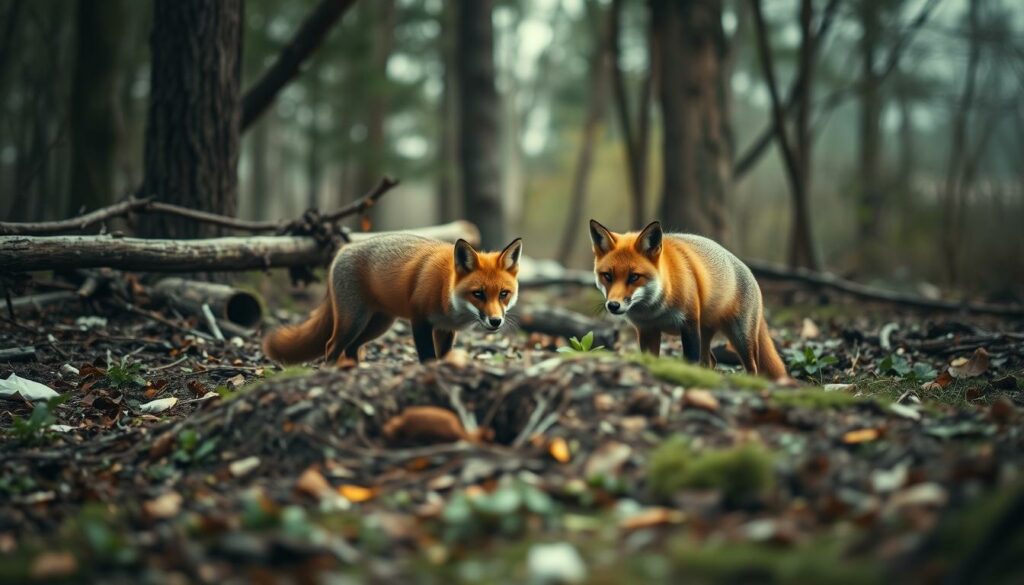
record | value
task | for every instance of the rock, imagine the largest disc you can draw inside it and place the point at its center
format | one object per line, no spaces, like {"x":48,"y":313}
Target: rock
{"x":555,"y":563}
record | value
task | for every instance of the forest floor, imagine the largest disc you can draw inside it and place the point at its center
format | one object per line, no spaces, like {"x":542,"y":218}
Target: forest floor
{"x":897,"y":455}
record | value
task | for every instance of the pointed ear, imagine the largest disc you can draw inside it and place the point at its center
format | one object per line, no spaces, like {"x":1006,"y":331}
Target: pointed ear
{"x":509,"y":259}
{"x":602,"y":238}
{"x":465,"y":257}
{"x":649,"y":240}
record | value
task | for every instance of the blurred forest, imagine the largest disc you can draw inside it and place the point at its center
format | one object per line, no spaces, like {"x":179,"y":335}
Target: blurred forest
{"x":881,"y":139}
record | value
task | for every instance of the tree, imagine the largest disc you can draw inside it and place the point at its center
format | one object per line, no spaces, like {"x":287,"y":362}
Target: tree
{"x":478,"y":126}
{"x":94,"y":102}
{"x":869,"y":212}
{"x":192,"y":128}
{"x":697,"y":142}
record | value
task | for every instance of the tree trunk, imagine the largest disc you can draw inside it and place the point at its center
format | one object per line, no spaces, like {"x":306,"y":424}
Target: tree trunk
{"x":589,"y":137}
{"x":313,"y":142}
{"x":95,"y":116}
{"x":375,"y":152}
{"x":448,"y":181}
{"x":696,"y":146}
{"x":801,"y":240}
{"x":634,"y":142}
{"x":480,"y":112}
{"x":193,"y":123}
{"x":869,"y":212}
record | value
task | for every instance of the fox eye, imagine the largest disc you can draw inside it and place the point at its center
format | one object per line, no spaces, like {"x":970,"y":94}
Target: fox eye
{"x":633,"y":278}
{"x":479,"y":294}
{"x":607,"y":276}
{"x":503,"y":294}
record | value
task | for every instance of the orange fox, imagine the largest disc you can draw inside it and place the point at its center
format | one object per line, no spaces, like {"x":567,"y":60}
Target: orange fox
{"x":439,"y":288}
{"x":687,"y":285}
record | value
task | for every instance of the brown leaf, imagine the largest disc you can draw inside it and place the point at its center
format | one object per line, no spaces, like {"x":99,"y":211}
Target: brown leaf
{"x":608,"y":459}
{"x":164,"y":506}
{"x":197,"y":387}
{"x":969,"y":368}
{"x":312,"y":483}
{"x":53,"y":565}
{"x":425,"y":424}
{"x":941,"y":381}
{"x":702,"y":399}
{"x":356,"y":493}
{"x":650,"y":518}
{"x":861,"y":436}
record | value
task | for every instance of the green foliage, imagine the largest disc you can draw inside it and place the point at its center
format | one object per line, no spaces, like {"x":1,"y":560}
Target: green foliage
{"x":191,"y":449}
{"x":36,"y":429}
{"x":506,"y":511}
{"x":899,"y":366}
{"x":810,"y":361}
{"x":125,"y":372}
{"x":688,"y":375}
{"x":581,"y":345}
{"x":741,"y":472}
{"x":817,"y":398}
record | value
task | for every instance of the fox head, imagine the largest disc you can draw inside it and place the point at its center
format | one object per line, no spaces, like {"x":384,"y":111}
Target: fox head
{"x":485,"y":282}
{"x":626,"y":265}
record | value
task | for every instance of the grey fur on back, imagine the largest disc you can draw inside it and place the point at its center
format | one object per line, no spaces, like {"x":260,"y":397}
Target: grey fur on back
{"x":726,"y":269}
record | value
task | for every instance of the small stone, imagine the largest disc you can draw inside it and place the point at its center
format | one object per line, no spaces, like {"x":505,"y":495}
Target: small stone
{"x":556,"y":563}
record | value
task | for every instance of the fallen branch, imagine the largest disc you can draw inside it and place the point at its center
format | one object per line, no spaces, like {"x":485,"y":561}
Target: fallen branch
{"x":149,"y":206}
{"x":31,"y":253}
{"x":226,"y":303}
{"x":768,"y":271}
{"x":564,"y":323}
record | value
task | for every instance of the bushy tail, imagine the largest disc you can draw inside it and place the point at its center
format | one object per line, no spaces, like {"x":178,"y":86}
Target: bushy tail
{"x":300,"y":343}
{"x":768,"y":361}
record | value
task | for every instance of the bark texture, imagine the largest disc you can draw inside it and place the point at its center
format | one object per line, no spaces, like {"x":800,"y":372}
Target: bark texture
{"x":696,"y":146}
{"x":192,"y":127}
{"x":478,"y":127}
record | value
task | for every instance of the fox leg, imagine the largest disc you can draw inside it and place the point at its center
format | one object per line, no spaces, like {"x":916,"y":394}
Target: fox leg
{"x":649,"y":340}
{"x":707,"y":358}
{"x":443,"y":342}
{"x":349,"y":323}
{"x":423,"y":336}
{"x":690,"y":334}
{"x":378,"y":325}
{"x":744,"y":340}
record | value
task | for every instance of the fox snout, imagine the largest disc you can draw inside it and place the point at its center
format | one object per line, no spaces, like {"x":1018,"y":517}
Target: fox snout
{"x":617,"y":307}
{"x":492,"y":322}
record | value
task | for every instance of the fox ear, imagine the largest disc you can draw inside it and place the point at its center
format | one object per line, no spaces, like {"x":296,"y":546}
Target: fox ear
{"x":649,"y":240}
{"x":602,"y":238}
{"x":509,"y":258}
{"x":465,"y":257}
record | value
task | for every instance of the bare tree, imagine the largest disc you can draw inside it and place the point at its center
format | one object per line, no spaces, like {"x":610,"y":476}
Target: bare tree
{"x":480,"y":112}
{"x":192,"y":128}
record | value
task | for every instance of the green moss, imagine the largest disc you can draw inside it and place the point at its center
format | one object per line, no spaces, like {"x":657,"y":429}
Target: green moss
{"x":817,"y":398}
{"x":818,"y":561}
{"x":679,"y":372}
{"x":288,"y":372}
{"x":740,"y":472}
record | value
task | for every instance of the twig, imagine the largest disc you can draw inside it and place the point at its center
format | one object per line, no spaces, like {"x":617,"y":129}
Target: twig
{"x":147,"y":205}
{"x":211,"y":322}
{"x":170,"y":365}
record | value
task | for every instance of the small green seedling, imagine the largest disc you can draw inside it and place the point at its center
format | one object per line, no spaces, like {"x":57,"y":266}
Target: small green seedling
{"x":125,"y":372}
{"x":899,"y":366}
{"x":36,"y":429}
{"x":810,"y":360}
{"x":581,"y":345}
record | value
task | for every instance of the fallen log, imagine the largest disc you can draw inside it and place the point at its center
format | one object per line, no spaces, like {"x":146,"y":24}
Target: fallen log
{"x":227,"y":303}
{"x":32,"y":253}
{"x":548,"y":273}
{"x":564,"y":323}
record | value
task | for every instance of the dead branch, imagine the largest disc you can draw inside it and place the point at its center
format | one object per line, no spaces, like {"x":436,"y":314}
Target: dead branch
{"x":146,"y":205}
{"x":565,"y":323}
{"x":32,"y":253}
{"x":227,"y":303}
{"x":309,"y":36}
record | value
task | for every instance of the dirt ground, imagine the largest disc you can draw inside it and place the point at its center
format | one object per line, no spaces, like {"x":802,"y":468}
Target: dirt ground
{"x":895,"y":454}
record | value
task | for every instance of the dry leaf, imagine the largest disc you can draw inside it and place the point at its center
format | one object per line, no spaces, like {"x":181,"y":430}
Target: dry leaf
{"x":861,"y":436}
{"x":651,"y":517}
{"x":244,"y":466}
{"x":197,"y":387}
{"x":237,"y":381}
{"x":157,"y":406}
{"x":425,"y":424}
{"x":53,"y":565}
{"x":941,"y":381}
{"x":312,"y":483}
{"x":164,"y":506}
{"x":809,"y":330}
{"x":559,"y":450}
{"x":457,"y":357}
{"x":702,"y":399}
{"x":969,"y":368}
{"x":608,"y":459}
{"x":355,"y":493}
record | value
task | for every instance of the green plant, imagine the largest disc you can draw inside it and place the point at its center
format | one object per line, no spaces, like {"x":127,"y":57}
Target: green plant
{"x":125,"y":372}
{"x":191,"y":450}
{"x":581,"y":345}
{"x":36,"y":429}
{"x":899,"y":366}
{"x":810,"y":361}
{"x":741,"y":472}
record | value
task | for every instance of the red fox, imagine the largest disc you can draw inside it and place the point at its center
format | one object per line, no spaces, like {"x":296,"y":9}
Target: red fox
{"x":439,"y":288}
{"x":687,"y":285}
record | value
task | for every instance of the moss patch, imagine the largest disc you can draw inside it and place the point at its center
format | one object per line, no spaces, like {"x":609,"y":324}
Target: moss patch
{"x":676,"y":371}
{"x":818,"y":398}
{"x":740,"y":472}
